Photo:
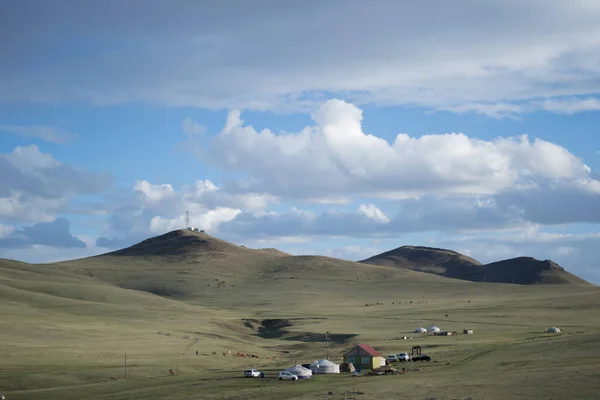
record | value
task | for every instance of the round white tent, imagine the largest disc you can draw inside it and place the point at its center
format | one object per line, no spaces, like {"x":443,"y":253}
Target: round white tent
{"x":433,"y":329}
{"x":324,"y":367}
{"x":420,"y":330}
{"x":553,"y":330}
{"x":303,"y":373}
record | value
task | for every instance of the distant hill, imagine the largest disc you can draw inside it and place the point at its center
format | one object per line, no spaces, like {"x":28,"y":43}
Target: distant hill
{"x":528,"y":270}
{"x":451,"y":264}
{"x":185,"y":264}
{"x":426,"y":259}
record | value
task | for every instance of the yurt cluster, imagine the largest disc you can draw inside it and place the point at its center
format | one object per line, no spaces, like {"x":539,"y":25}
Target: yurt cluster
{"x":317,"y":367}
{"x":363,"y":356}
{"x":434,"y":330}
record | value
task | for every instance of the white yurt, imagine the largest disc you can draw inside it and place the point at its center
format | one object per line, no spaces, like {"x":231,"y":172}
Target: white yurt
{"x":303,"y":373}
{"x":433,"y":329}
{"x":553,"y":330}
{"x":420,"y":330}
{"x":324,"y":367}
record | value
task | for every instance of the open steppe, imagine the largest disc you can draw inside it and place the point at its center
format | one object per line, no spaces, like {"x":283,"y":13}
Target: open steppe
{"x":65,"y":328}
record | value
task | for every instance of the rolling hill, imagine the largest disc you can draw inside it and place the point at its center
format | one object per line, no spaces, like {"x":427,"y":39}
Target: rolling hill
{"x":188,"y":265}
{"x":451,"y":264}
{"x":198,"y":301}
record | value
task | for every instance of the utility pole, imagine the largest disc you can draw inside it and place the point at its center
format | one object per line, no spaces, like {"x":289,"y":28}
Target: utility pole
{"x":187,"y":219}
{"x":327,"y":336}
{"x":125,"y":366}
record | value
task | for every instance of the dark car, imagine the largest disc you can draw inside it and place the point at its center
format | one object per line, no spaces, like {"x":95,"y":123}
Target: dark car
{"x":421,"y":357}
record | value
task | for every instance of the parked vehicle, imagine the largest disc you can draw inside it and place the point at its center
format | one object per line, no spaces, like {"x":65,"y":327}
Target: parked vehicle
{"x":403,"y":357}
{"x":252,"y":373}
{"x":392,"y":358}
{"x":285,"y":375}
{"x":421,"y":357}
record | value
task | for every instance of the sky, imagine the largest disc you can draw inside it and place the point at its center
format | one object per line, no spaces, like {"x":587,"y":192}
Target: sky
{"x":343,"y":128}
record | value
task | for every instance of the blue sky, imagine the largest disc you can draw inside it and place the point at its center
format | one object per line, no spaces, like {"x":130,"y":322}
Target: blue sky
{"x":336,"y":128}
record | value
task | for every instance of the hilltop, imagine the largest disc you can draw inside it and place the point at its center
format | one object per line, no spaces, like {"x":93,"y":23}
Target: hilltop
{"x":451,"y":264}
{"x":426,"y":259}
{"x":528,"y":270}
{"x":184,"y":242}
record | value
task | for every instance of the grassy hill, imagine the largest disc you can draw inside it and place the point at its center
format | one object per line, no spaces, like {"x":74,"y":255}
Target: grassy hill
{"x":448,"y":263}
{"x":67,"y":326}
{"x":194,"y":266}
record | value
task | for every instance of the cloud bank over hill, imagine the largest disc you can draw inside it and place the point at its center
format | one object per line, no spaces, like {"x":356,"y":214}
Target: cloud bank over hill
{"x":329,"y":180}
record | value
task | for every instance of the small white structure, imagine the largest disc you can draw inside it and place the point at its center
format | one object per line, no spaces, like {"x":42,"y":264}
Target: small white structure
{"x":324,"y":367}
{"x":553,"y":330}
{"x":303,"y":373}
{"x":433,"y":329}
{"x":420,"y":330}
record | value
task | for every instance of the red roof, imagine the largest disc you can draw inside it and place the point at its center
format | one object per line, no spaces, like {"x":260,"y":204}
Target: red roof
{"x":369,"y":350}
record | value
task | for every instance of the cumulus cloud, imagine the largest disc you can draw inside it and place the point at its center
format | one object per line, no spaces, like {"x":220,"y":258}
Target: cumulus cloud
{"x":152,"y":209}
{"x":52,"y":135}
{"x":335,"y":159}
{"x":53,"y":234}
{"x":34,"y":186}
{"x":385,"y":52}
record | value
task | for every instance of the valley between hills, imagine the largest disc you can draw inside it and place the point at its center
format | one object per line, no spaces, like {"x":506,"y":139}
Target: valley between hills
{"x":172,"y":301}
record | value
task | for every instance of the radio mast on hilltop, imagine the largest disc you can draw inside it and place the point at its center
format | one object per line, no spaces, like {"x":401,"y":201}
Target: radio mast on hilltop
{"x":187,"y":220}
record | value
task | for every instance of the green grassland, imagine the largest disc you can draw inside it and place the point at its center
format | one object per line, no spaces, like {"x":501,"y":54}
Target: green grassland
{"x":65,"y":329}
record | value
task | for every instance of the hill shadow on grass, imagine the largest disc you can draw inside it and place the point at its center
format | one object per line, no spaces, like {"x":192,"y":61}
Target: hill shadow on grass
{"x":275,"y":329}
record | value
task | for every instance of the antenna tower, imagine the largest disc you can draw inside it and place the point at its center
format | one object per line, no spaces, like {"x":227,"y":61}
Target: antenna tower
{"x":187,"y":219}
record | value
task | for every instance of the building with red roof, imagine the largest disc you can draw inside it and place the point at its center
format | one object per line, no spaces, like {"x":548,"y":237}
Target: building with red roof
{"x":363,"y":356}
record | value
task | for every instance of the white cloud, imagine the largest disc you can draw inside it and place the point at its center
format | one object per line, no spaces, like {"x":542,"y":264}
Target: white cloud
{"x":384,"y":52}
{"x":208,"y":220}
{"x":152,"y":192}
{"x":154,"y":209}
{"x":559,"y":105}
{"x":34,"y":186}
{"x":571,"y":106}
{"x":335,"y":159}
{"x":52,"y":135}
{"x":371,"y":211}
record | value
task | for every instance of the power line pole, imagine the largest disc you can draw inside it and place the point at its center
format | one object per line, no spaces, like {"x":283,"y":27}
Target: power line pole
{"x":187,"y":219}
{"x":327,"y":336}
{"x":125,"y":366}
